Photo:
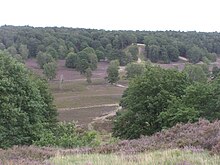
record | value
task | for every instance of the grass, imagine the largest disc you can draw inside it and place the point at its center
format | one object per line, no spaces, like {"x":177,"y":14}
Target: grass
{"x":84,"y":116}
{"x":82,"y":102}
{"x":80,"y":94}
{"x":166,"y":157}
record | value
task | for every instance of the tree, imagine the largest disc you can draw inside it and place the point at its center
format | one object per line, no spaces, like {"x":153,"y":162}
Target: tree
{"x":173,"y":53}
{"x":164,"y":55}
{"x":62,"y":51}
{"x":195,"y":73}
{"x":195,"y":54}
{"x":178,"y":112}
{"x":2,"y":46}
{"x":71,"y":60}
{"x":204,"y":97}
{"x":112,"y":71}
{"x":199,"y":101}
{"x":145,"y":98}
{"x":100,"y":55}
{"x":134,"y":69}
{"x":215,"y":72}
{"x":44,"y":58}
{"x":50,"y":50}
{"x":86,"y":59}
{"x":33,"y":46}
{"x":12,"y":50}
{"x":211,"y":56}
{"x":153,"y":53}
{"x":49,"y":70}
{"x":134,"y":52}
{"x":26,"y":108}
{"x":23,"y":50}
{"x":124,"y":58}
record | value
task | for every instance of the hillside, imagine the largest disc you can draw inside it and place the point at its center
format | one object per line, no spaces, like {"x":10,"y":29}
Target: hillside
{"x":205,"y":140}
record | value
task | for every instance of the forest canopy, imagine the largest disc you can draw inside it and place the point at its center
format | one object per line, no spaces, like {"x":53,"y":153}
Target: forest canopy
{"x":161,"y":46}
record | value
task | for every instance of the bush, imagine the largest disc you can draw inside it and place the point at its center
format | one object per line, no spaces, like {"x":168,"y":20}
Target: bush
{"x":66,"y":135}
{"x":133,"y":70}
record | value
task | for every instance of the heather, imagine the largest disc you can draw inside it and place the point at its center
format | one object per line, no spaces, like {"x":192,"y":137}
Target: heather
{"x":202,"y":136}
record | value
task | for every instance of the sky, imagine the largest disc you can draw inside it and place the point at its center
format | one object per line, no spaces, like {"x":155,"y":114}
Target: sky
{"x":183,"y":15}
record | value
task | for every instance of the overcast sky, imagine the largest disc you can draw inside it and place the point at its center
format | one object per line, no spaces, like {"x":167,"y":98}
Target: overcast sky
{"x":183,"y":15}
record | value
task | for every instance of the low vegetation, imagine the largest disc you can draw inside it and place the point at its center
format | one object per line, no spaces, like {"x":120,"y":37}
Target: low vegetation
{"x":171,"y":157}
{"x":74,"y":93}
{"x":195,"y":142}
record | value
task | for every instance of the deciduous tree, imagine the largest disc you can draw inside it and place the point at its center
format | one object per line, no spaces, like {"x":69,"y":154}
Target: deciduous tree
{"x":26,"y":108}
{"x":112,"y":71}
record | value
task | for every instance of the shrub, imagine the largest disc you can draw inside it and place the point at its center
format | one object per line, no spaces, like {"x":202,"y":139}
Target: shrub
{"x":66,"y":135}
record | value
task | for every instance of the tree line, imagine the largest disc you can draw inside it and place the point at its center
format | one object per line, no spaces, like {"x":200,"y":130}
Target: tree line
{"x":161,"y":46}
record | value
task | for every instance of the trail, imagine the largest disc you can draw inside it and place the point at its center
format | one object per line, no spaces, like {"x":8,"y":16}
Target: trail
{"x":87,"y":107}
{"x":91,"y":95}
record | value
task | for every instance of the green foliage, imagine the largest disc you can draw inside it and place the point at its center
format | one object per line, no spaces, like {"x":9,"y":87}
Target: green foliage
{"x":153,"y":53}
{"x":134,"y":69}
{"x":100,"y":55}
{"x":86,"y":59}
{"x":112,"y":71}
{"x":212,"y":56}
{"x":215,"y":72}
{"x":49,"y":70}
{"x":58,"y":42}
{"x":26,"y":104}
{"x":195,"y":54}
{"x":66,"y":135}
{"x":177,"y":112}
{"x":199,"y":101}
{"x":50,"y":50}
{"x":173,"y":53}
{"x":124,"y":58}
{"x":44,"y":58}
{"x":204,"y":98}
{"x":145,"y":98}
{"x":23,"y":50}
{"x":196,"y":73}
{"x":71,"y":60}
{"x":134,"y":52}
{"x":12,"y":50}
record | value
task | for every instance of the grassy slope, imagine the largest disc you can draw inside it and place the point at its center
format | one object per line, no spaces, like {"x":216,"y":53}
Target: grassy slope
{"x":202,"y":139}
{"x":83,"y":102}
{"x":166,"y":157}
{"x":79,"y":94}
